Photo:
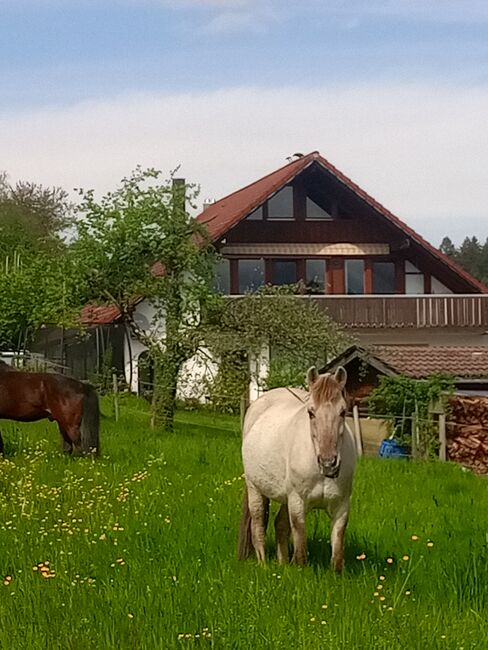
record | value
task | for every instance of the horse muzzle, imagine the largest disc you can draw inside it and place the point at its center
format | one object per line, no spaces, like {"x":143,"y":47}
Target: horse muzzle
{"x":329,"y":467}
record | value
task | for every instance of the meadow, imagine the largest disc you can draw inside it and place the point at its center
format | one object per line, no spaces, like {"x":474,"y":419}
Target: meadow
{"x":137,"y":549}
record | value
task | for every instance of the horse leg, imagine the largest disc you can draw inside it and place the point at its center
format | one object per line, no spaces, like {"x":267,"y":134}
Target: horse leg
{"x":66,"y":443}
{"x":258,"y":505}
{"x":296,"y":509}
{"x":338,"y":528}
{"x":282,"y":530}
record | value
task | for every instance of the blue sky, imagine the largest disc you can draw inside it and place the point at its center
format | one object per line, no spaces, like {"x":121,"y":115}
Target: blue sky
{"x":393,"y":92}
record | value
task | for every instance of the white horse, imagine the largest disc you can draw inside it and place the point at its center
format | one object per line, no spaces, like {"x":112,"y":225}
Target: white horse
{"x":297,"y":450}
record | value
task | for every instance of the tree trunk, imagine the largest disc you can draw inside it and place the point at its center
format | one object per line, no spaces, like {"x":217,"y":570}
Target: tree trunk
{"x":164,"y":396}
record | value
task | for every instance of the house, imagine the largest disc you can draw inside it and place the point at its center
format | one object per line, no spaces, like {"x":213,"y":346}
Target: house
{"x":468,"y":365}
{"x":309,"y":222}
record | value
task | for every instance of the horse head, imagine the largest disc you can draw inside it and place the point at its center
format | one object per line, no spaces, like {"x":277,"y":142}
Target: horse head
{"x":327,"y":411}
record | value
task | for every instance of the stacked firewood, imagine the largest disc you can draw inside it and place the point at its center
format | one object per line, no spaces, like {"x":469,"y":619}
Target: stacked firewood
{"x":467,"y":435}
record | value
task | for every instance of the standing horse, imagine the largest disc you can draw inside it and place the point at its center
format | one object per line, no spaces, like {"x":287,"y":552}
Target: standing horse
{"x":298,"y":451}
{"x":31,"y":396}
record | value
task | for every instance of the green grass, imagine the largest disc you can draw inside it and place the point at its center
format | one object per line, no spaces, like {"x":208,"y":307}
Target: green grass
{"x":142,"y":545}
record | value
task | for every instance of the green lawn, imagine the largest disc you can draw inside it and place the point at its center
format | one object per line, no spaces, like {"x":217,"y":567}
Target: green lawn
{"x":141,"y":549}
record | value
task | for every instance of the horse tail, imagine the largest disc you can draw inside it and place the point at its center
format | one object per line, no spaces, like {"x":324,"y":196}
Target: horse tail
{"x":244,"y":544}
{"x":90,"y":422}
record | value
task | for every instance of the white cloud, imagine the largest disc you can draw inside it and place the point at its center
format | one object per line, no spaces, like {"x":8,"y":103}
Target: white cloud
{"x":421,"y":150}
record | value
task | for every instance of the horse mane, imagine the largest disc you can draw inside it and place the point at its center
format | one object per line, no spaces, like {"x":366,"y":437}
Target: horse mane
{"x":326,"y":389}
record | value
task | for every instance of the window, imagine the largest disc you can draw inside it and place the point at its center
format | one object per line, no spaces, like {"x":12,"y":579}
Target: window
{"x":314,"y":211}
{"x":221,"y":283}
{"x":354,"y":277}
{"x":414,"y":279}
{"x":256,"y":215}
{"x":315,"y":271}
{"x":284,"y":272}
{"x":251,"y":275}
{"x":383,"y":277}
{"x":438,"y":287}
{"x":280,"y":206}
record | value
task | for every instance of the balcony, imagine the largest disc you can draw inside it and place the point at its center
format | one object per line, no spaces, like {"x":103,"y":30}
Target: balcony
{"x":450,"y":311}
{"x":418,"y":312}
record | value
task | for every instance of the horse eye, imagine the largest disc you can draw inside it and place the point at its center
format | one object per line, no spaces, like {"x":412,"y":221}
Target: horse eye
{"x":311,"y":414}
{"x":343,"y":413}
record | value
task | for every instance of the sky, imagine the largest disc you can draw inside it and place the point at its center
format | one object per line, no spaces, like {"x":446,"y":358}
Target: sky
{"x":392,"y":92}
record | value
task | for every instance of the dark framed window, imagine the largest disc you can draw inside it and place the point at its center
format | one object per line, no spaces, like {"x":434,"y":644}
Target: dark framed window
{"x":315,"y":211}
{"x":315,"y":275}
{"x":280,"y":206}
{"x":256,"y":215}
{"x":284,"y":272}
{"x":414,"y":279}
{"x":250,"y":274}
{"x":354,"y":271}
{"x":383,"y":277}
{"x":221,"y":283}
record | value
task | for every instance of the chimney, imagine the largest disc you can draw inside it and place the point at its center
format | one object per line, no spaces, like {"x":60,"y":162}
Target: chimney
{"x":207,"y":203}
{"x":179,"y":187}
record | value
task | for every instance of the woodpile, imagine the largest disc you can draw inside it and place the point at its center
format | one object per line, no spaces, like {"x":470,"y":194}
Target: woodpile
{"x":467,"y":436}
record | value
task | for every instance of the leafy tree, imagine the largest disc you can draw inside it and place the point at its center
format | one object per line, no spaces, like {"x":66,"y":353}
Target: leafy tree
{"x":35,"y":283}
{"x":140,"y":241}
{"x":34,"y":290}
{"x":32,"y":217}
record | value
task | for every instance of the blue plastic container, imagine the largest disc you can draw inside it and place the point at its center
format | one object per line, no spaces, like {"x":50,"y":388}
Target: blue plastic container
{"x":392,"y":449}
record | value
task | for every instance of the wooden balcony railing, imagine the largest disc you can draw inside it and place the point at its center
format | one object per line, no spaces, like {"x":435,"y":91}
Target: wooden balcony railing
{"x":429,"y":311}
{"x":422,"y":311}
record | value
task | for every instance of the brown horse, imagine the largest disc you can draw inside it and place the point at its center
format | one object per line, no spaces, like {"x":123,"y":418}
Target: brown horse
{"x":31,"y":396}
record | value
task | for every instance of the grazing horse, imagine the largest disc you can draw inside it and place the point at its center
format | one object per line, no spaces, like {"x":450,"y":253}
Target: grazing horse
{"x":31,"y":396}
{"x":297,"y":450}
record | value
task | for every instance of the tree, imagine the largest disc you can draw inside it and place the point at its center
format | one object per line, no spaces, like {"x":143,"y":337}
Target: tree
{"x":471,"y":255}
{"x":141,"y":241}
{"x":35,"y":290}
{"x":32,"y":217}
{"x":34,"y":277}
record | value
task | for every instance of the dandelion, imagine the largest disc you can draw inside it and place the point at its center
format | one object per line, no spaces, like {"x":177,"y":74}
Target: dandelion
{"x":414,"y":538}
{"x":361,"y":557}
{"x":7,"y":580}
{"x":382,"y":577}
{"x":430,"y":544}
{"x":407,"y":593}
{"x":129,"y":615}
{"x":389,"y":560}
{"x":382,"y":598}
{"x":405,"y":558}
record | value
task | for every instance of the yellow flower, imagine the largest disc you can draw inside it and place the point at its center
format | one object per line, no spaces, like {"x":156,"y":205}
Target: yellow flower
{"x":430,"y":544}
{"x":361,"y":557}
{"x":414,"y":538}
{"x":405,"y":558}
{"x":389,"y":560}
{"x":382,"y":577}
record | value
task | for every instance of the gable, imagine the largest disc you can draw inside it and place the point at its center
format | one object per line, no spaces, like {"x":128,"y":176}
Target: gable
{"x":337,"y":198}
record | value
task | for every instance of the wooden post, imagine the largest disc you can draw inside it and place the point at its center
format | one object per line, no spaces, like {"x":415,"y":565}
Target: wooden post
{"x":357,"y":429}
{"x":244,"y":407}
{"x":442,"y":437}
{"x":116,"y":396}
{"x":414,"y":435}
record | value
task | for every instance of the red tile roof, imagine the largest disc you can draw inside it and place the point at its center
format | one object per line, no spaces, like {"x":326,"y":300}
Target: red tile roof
{"x":226,"y":213}
{"x":420,"y":361}
{"x":99,"y":314}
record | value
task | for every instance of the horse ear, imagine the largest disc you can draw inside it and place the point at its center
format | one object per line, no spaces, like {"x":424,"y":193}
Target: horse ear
{"x":312,"y":376}
{"x":341,"y":377}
